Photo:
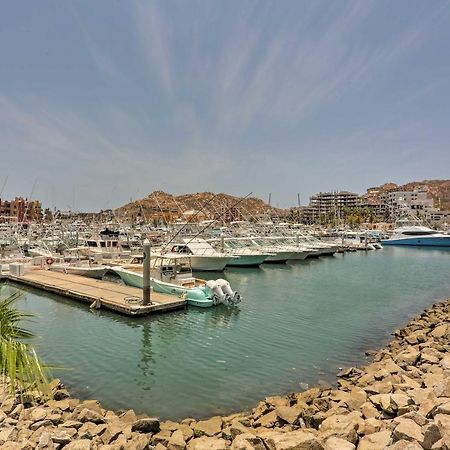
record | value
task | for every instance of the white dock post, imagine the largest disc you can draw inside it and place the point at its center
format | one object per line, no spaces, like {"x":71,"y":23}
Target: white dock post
{"x":146,"y":282}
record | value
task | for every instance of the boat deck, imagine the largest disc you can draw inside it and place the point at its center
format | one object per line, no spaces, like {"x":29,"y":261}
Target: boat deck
{"x":104,"y":294}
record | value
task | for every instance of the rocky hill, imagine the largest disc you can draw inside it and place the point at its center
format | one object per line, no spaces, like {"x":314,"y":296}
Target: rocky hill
{"x":438,"y":190}
{"x":203,"y":205}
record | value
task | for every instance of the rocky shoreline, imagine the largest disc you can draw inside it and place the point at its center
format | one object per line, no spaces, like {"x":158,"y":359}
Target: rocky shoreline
{"x":400,"y":401}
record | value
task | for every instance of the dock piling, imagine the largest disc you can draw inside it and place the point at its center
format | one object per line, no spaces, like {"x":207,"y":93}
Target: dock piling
{"x":146,"y":281}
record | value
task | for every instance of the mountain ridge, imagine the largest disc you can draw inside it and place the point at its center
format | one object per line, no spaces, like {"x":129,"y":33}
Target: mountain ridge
{"x":160,"y":205}
{"x":202,"y":205}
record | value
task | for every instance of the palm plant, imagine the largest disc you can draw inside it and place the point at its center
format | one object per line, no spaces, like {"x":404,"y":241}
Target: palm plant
{"x":19,"y":364}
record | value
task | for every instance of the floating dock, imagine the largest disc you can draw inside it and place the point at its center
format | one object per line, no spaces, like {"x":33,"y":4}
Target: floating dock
{"x":97,"y":293}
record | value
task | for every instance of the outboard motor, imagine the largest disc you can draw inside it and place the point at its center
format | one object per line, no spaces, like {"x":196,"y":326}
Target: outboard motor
{"x":217,"y":294}
{"x":236,"y":298}
{"x":231,"y":297}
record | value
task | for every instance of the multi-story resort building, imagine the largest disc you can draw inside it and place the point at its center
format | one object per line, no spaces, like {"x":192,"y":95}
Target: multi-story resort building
{"x":378,"y":204}
{"x":20,"y":210}
{"x":327,"y":205}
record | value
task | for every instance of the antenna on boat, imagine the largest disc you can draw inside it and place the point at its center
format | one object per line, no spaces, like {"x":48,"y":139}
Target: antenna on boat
{"x":28,"y":204}
{"x":160,"y":208}
{"x":182,"y":209}
{"x":214,"y":219}
{"x":190,"y":220}
{"x":3,"y":185}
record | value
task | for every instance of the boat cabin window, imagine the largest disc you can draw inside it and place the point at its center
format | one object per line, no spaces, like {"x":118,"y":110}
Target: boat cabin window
{"x":180,"y":249}
{"x":92,"y":244}
{"x":183,"y":266}
{"x":102,"y":244}
{"x":167,"y":270}
{"x":418,"y":233}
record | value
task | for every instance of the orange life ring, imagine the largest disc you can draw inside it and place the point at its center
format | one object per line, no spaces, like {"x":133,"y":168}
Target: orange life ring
{"x":49,"y":261}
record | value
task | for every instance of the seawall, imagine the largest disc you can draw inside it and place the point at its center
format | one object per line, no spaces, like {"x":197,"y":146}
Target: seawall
{"x":400,"y":401}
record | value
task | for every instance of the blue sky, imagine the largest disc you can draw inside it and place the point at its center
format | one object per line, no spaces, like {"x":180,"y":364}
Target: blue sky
{"x":103,"y":101}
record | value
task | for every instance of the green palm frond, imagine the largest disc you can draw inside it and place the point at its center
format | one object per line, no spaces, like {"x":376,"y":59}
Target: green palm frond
{"x":19,"y":364}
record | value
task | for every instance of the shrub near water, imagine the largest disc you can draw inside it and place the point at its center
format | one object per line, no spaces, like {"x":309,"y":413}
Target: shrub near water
{"x":19,"y":364}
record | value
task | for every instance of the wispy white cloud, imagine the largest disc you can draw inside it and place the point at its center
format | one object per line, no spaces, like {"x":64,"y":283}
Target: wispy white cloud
{"x":153,"y":31}
{"x":294,"y":75}
{"x":101,"y":59}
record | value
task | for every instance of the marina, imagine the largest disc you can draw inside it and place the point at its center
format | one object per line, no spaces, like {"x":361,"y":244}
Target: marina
{"x":324,"y":314}
{"x":225,"y":226}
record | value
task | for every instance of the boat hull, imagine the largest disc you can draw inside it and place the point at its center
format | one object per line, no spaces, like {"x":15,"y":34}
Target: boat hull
{"x":247,"y":261}
{"x":442,"y":241}
{"x":300,"y":255}
{"x":279,"y":257}
{"x":328,"y":251}
{"x":91,"y":272}
{"x":194,"y":296}
{"x":209,"y":263}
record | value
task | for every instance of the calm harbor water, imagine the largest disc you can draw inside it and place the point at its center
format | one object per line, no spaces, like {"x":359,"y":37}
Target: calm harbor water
{"x":298,"y":323}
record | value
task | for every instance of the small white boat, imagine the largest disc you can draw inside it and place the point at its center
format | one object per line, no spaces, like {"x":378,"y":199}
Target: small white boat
{"x":77,"y":269}
{"x":38,"y":251}
{"x":104,"y":248}
{"x":278,"y":254}
{"x":298,"y":252}
{"x":203,"y":256}
{"x":242,"y":255}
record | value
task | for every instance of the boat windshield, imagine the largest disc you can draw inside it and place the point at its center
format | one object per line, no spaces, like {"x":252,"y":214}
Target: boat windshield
{"x":181,"y":249}
{"x":245,"y":243}
{"x":234,"y":244}
{"x":260,"y":242}
{"x":277,"y":242}
{"x":179,"y":265}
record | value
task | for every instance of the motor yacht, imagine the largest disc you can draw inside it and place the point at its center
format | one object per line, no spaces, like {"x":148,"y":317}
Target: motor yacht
{"x":419,"y":236}
{"x":243,"y":256}
{"x":203,"y":256}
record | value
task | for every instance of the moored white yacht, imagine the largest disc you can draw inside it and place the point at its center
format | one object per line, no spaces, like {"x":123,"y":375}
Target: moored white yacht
{"x":104,"y":248}
{"x":296,"y":252}
{"x":276,"y":254}
{"x":419,"y":236}
{"x":203,"y":256}
{"x":242,"y":255}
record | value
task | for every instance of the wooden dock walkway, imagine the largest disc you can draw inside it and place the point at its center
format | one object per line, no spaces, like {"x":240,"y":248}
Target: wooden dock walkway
{"x":106,"y":294}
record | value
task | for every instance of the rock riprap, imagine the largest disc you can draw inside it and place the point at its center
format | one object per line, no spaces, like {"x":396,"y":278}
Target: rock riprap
{"x":400,"y":401}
